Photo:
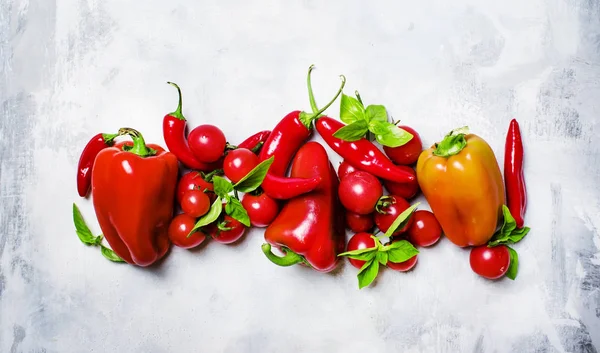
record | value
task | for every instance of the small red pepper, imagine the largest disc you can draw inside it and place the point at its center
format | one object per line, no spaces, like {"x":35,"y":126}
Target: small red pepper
{"x":133,"y":188}
{"x":516,"y":192}
{"x":310,"y":228}
{"x":255,"y":142}
{"x":86,"y":160}
{"x":174,"y":134}
{"x":283,"y":142}
{"x":361,"y":153}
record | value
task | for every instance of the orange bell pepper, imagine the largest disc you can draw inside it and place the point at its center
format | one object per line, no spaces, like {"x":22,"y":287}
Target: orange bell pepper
{"x":461,"y":180}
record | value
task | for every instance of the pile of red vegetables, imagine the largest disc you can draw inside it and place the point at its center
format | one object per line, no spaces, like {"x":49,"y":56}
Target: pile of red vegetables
{"x":201,"y":187}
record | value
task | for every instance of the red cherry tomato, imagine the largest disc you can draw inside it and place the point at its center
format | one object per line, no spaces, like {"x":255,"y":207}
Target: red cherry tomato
{"x":261,"y":209}
{"x":425,"y":229}
{"x":195,"y":203}
{"x":403,"y":266}
{"x":389,"y":213}
{"x":359,"y":222}
{"x":408,"y":153}
{"x":228,"y":236}
{"x":405,"y":190}
{"x":180,"y":227}
{"x":193,"y":180}
{"x":357,"y":242}
{"x":238,"y":163}
{"x":344,"y":169}
{"x":207,"y":143}
{"x":359,"y":192}
{"x":491,"y":263}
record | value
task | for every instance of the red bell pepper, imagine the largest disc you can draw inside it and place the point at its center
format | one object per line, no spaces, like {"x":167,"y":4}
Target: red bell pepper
{"x":133,"y":189}
{"x":516,"y":192}
{"x":310,"y":228}
{"x":86,"y":160}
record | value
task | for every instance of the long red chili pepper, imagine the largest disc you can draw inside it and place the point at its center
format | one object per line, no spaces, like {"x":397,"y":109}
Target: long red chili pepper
{"x":361,"y":153}
{"x":256,"y":141}
{"x":174,"y":134}
{"x":86,"y":160}
{"x":283,"y":142}
{"x":516,"y":192}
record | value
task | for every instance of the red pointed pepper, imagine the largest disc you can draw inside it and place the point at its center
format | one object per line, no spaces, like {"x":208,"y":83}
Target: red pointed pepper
{"x":86,"y":160}
{"x":283,"y":142}
{"x":133,"y":188}
{"x":255,"y":142}
{"x":516,"y":192}
{"x":310,"y":228}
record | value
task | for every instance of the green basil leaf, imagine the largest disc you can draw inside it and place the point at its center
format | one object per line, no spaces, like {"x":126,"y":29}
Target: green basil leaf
{"x":210,"y":216}
{"x":83,"y":231}
{"x":222,"y":186}
{"x":368,"y":273}
{"x":352,"y":132}
{"x":389,"y":134}
{"x":509,"y":221}
{"x":109,"y":254}
{"x":364,"y":256}
{"x":234,"y":208}
{"x":359,"y":251}
{"x":382,"y":257}
{"x":401,"y":220}
{"x":351,"y":109}
{"x":376,"y":113}
{"x":401,"y":251}
{"x":508,"y":233}
{"x":514,"y":237}
{"x":513,"y":268}
{"x":255,"y":177}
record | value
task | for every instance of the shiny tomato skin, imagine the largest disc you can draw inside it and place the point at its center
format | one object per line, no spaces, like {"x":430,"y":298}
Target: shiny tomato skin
{"x":238,"y":163}
{"x":207,"y":143}
{"x":403,"y":266}
{"x":388,"y":215}
{"x":405,"y":190}
{"x":359,"y":241}
{"x":344,"y":169}
{"x":425,"y":229}
{"x":227,"y":236}
{"x":195,"y":203}
{"x":359,"y":192}
{"x":407,"y":154}
{"x":178,"y":231}
{"x":193,"y":180}
{"x":358,"y":222}
{"x":261,"y":209}
{"x":490,"y":263}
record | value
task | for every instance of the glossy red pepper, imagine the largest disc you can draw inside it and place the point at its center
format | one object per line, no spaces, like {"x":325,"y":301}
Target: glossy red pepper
{"x":255,"y":142}
{"x":174,"y":134}
{"x":86,"y":160}
{"x":516,"y":192}
{"x":310,"y":228}
{"x":283,"y":142}
{"x":361,"y":153}
{"x":133,"y":188}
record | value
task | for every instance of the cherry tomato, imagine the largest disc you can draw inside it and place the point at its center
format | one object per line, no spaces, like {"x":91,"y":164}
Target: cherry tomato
{"x":195,"y":203}
{"x":425,"y":229}
{"x":207,"y":143}
{"x":389,"y":213}
{"x":359,"y":222}
{"x":238,"y":163}
{"x":491,"y":263}
{"x":344,"y":169}
{"x":261,"y":209}
{"x":359,"y":192}
{"x":408,"y":153}
{"x":405,"y":190}
{"x":357,"y":242}
{"x":227,"y":236}
{"x":403,"y":266}
{"x":180,"y":227}
{"x":193,"y":180}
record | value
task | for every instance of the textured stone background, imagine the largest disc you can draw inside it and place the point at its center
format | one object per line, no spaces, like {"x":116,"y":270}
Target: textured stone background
{"x":72,"y":68}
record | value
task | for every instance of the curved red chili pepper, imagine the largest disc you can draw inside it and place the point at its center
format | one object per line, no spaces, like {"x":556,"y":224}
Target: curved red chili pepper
{"x":86,"y":160}
{"x":174,"y":134}
{"x":361,"y":153}
{"x":516,"y":193}
{"x":256,"y":141}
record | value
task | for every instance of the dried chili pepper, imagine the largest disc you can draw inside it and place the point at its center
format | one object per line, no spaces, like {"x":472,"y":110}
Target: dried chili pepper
{"x":516,"y":192}
{"x":86,"y":160}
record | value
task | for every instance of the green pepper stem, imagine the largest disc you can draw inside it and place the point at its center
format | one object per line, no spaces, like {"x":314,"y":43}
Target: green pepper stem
{"x":109,"y":139}
{"x":307,"y":119}
{"x":290,"y":258}
{"x":177,"y":113}
{"x":452,"y":144}
{"x":139,"y":145}
{"x":311,"y":96}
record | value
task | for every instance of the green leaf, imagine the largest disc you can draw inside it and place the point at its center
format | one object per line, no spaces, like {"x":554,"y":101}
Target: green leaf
{"x":368,"y":273}
{"x":222,"y":186}
{"x":513,"y":268}
{"x":351,"y":109}
{"x":400,"y":251}
{"x":364,"y":256}
{"x":234,"y":208}
{"x":255,"y":177}
{"x":382,"y":257}
{"x":83,"y":231}
{"x":354,"y":131}
{"x":359,"y":251}
{"x":376,"y":113}
{"x":508,"y":233}
{"x":210,"y":216}
{"x":401,"y":220}
{"x":109,"y":254}
{"x":389,"y":134}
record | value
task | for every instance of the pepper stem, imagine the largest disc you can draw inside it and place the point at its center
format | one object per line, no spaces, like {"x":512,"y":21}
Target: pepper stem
{"x":290,"y":258}
{"x":307,"y":119}
{"x":177,"y":113}
{"x":452,"y":144}
{"x":311,"y":95}
{"x":139,"y":145}
{"x":109,"y":139}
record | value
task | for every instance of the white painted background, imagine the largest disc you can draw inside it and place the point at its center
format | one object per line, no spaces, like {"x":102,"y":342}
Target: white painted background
{"x":72,"y":68}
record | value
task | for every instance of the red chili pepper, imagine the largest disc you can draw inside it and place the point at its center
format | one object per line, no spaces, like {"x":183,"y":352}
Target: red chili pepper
{"x":86,"y":160}
{"x":255,"y":142}
{"x":310,"y":228}
{"x":516,"y":192}
{"x":283,"y":142}
{"x":174,"y":134}
{"x":361,"y":153}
